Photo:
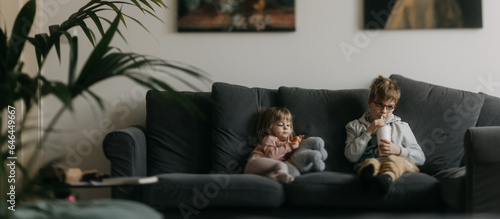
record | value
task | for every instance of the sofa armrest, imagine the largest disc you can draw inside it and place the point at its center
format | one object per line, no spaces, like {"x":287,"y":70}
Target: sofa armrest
{"x":126,"y":150}
{"x":482,"y":154}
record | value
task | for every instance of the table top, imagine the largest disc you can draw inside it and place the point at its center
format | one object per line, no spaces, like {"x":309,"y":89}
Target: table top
{"x":116,"y":181}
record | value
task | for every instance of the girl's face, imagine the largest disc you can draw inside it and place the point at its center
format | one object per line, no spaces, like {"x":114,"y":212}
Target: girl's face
{"x":282,"y":129}
{"x":381,"y":108}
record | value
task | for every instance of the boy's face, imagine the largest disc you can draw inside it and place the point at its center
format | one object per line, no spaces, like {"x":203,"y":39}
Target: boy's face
{"x":282,"y":129}
{"x":381,"y":108}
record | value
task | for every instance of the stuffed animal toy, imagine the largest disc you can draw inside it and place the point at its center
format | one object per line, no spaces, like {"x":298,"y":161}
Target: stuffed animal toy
{"x":309,"y":157}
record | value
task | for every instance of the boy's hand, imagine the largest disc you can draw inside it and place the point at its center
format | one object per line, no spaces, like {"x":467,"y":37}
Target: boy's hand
{"x":389,"y":148}
{"x":377,"y":123}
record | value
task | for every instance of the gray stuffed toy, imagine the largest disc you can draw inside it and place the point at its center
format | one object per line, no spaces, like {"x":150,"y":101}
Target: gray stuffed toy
{"x":309,"y":157}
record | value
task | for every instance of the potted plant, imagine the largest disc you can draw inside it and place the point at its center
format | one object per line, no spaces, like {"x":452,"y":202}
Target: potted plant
{"x":104,"y":62}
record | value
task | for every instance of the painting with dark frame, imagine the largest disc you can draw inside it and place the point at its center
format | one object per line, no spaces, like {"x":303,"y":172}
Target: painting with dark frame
{"x":422,"y":14}
{"x":236,"y":15}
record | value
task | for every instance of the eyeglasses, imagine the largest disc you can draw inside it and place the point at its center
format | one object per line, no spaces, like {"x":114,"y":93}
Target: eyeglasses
{"x":382,"y":106}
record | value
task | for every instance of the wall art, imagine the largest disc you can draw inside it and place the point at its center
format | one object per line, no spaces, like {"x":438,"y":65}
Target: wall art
{"x":236,"y":15}
{"x":422,"y":14}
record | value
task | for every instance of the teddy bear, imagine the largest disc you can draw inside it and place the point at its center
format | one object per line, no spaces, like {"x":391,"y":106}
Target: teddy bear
{"x":310,"y":156}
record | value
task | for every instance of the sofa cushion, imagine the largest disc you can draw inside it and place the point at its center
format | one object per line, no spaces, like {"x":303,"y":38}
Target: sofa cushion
{"x":335,"y":189}
{"x":414,"y":191}
{"x":324,"y":113}
{"x":327,"y":189}
{"x":490,"y":113}
{"x":234,"y":123}
{"x":439,"y":117}
{"x":178,"y":140}
{"x":199,"y":191}
{"x":453,"y":188}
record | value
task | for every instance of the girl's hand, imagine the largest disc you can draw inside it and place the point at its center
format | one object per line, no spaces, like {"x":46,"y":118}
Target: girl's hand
{"x":295,"y":142}
{"x":298,"y":138}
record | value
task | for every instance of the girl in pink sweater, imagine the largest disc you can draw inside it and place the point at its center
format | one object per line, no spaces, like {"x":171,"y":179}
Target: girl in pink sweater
{"x":274,"y":133}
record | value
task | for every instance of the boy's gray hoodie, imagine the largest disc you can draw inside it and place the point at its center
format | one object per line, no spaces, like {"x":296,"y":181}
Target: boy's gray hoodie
{"x":358,"y":141}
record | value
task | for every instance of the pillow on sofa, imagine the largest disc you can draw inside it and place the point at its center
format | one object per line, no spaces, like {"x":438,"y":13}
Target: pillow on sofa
{"x":324,"y":113}
{"x":234,"y":123}
{"x":170,"y":129}
{"x":438,"y":117}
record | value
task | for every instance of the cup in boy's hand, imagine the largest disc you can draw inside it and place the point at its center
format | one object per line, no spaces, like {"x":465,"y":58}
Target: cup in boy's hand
{"x":383,"y":132}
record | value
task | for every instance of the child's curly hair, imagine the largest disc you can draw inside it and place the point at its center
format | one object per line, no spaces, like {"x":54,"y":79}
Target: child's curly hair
{"x":384,"y":89}
{"x":268,"y":116}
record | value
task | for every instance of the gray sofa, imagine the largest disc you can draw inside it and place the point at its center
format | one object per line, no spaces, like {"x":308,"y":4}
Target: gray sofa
{"x":199,"y":156}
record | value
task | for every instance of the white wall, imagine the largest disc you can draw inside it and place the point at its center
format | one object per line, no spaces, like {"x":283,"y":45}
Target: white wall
{"x":310,"y":57}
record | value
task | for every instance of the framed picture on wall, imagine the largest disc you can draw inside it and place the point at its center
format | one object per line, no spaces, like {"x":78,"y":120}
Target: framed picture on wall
{"x":422,"y":14}
{"x":236,"y":15}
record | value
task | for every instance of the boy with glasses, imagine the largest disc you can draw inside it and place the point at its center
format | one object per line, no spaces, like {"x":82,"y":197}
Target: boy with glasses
{"x":381,"y":164}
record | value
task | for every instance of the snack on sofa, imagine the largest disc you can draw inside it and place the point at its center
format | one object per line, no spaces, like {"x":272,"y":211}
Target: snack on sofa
{"x":200,"y":158}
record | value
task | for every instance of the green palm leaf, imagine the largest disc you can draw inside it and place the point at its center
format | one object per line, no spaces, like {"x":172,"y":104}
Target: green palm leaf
{"x":103,"y":63}
{"x":102,"y":47}
{"x":73,"y":58}
{"x":3,"y":53}
{"x":88,"y":32}
{"x":90,"y":10}
{"x":20,"y":30}
{"x":96,"y":20}
{"x":59,"y":89}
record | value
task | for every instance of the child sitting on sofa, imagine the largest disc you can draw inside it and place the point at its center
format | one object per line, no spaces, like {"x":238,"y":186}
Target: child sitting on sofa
{"x":380,"y":165}
{"x":274,"y":134}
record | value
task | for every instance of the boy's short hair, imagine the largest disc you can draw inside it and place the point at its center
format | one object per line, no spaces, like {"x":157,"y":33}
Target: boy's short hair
{"x":384,"y":89}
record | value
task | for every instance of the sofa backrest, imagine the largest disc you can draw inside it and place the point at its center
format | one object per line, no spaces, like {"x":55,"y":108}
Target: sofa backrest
{"x":438,"y":117}
{"x":320,"y":113}
{"x":490,"y":113}
{"x":325,"y":113}
{"x":179,"y":140}
{"x":234,"y":124}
